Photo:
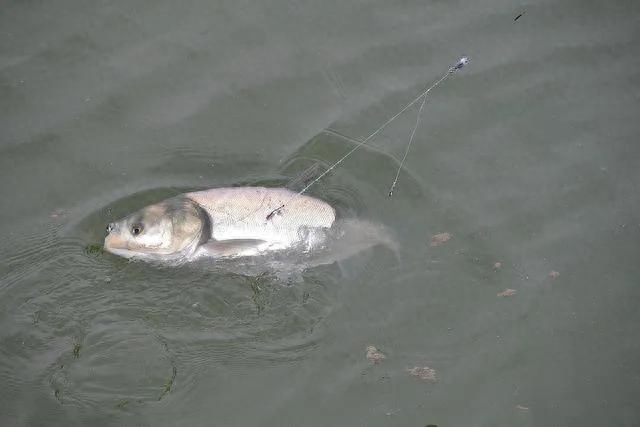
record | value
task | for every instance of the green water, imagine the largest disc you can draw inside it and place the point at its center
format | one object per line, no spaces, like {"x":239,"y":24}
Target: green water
{"x":527,"y":158}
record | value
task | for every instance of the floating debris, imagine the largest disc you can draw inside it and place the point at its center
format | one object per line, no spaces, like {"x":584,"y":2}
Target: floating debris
{"x":76,"y":350}
{"x":424,"y":373}
{"x":554,"y":274}
{"x":94,"y":249}
{"x":438,"y":239}
{"x":374,"y":355}
{"x":122,"y":403}
{"x":497,"y":265}
{"x":168,"y":384}
{"x":522,"y":408}
{"x":507,"y":293}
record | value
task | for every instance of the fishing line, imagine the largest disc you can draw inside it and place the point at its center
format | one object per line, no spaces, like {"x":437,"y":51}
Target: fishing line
{"x":461,"y":63}
{"x":413,"y":133}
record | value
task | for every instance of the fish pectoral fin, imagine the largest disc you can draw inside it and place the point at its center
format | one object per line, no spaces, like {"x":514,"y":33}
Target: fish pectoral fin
{"x":232,"y":247}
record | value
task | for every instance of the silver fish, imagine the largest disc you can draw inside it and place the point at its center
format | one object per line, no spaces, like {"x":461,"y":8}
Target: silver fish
{"x":221,"y":223}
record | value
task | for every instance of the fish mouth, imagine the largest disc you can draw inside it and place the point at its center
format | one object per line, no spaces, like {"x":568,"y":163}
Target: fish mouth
{"x":124,"y":253}
{"x":113,"y":241}
{"x":117,"y":246}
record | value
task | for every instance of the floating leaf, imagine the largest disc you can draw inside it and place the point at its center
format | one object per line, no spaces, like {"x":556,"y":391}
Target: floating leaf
{"x":440,"y":238}
{"x":424,"y":373}
{"x":374,"y":355}
{"x":507,"y":293}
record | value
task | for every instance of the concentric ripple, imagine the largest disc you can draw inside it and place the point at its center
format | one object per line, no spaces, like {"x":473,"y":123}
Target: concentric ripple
{"x":117,"y":363}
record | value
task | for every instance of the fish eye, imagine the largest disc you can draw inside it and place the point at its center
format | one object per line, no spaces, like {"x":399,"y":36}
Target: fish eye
{"x":136,"y":229}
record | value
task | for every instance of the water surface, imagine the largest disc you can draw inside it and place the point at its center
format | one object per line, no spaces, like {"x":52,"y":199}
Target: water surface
{"x":527,"y":158}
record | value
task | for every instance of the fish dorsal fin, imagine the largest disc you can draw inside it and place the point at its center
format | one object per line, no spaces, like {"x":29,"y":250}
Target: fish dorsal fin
{"x":231,"y":247}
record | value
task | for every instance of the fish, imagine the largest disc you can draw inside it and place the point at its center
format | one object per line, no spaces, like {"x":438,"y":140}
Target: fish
{"x":222,"y":223}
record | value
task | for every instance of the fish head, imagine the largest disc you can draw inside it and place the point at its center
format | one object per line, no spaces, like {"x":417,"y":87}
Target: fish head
{"x":171,"y":229}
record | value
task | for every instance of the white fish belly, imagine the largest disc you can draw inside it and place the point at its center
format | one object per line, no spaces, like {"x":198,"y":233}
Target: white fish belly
{"x":241,"y":213}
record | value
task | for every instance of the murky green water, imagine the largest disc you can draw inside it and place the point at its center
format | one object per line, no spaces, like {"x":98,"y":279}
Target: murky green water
{"x":527,"y":158}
